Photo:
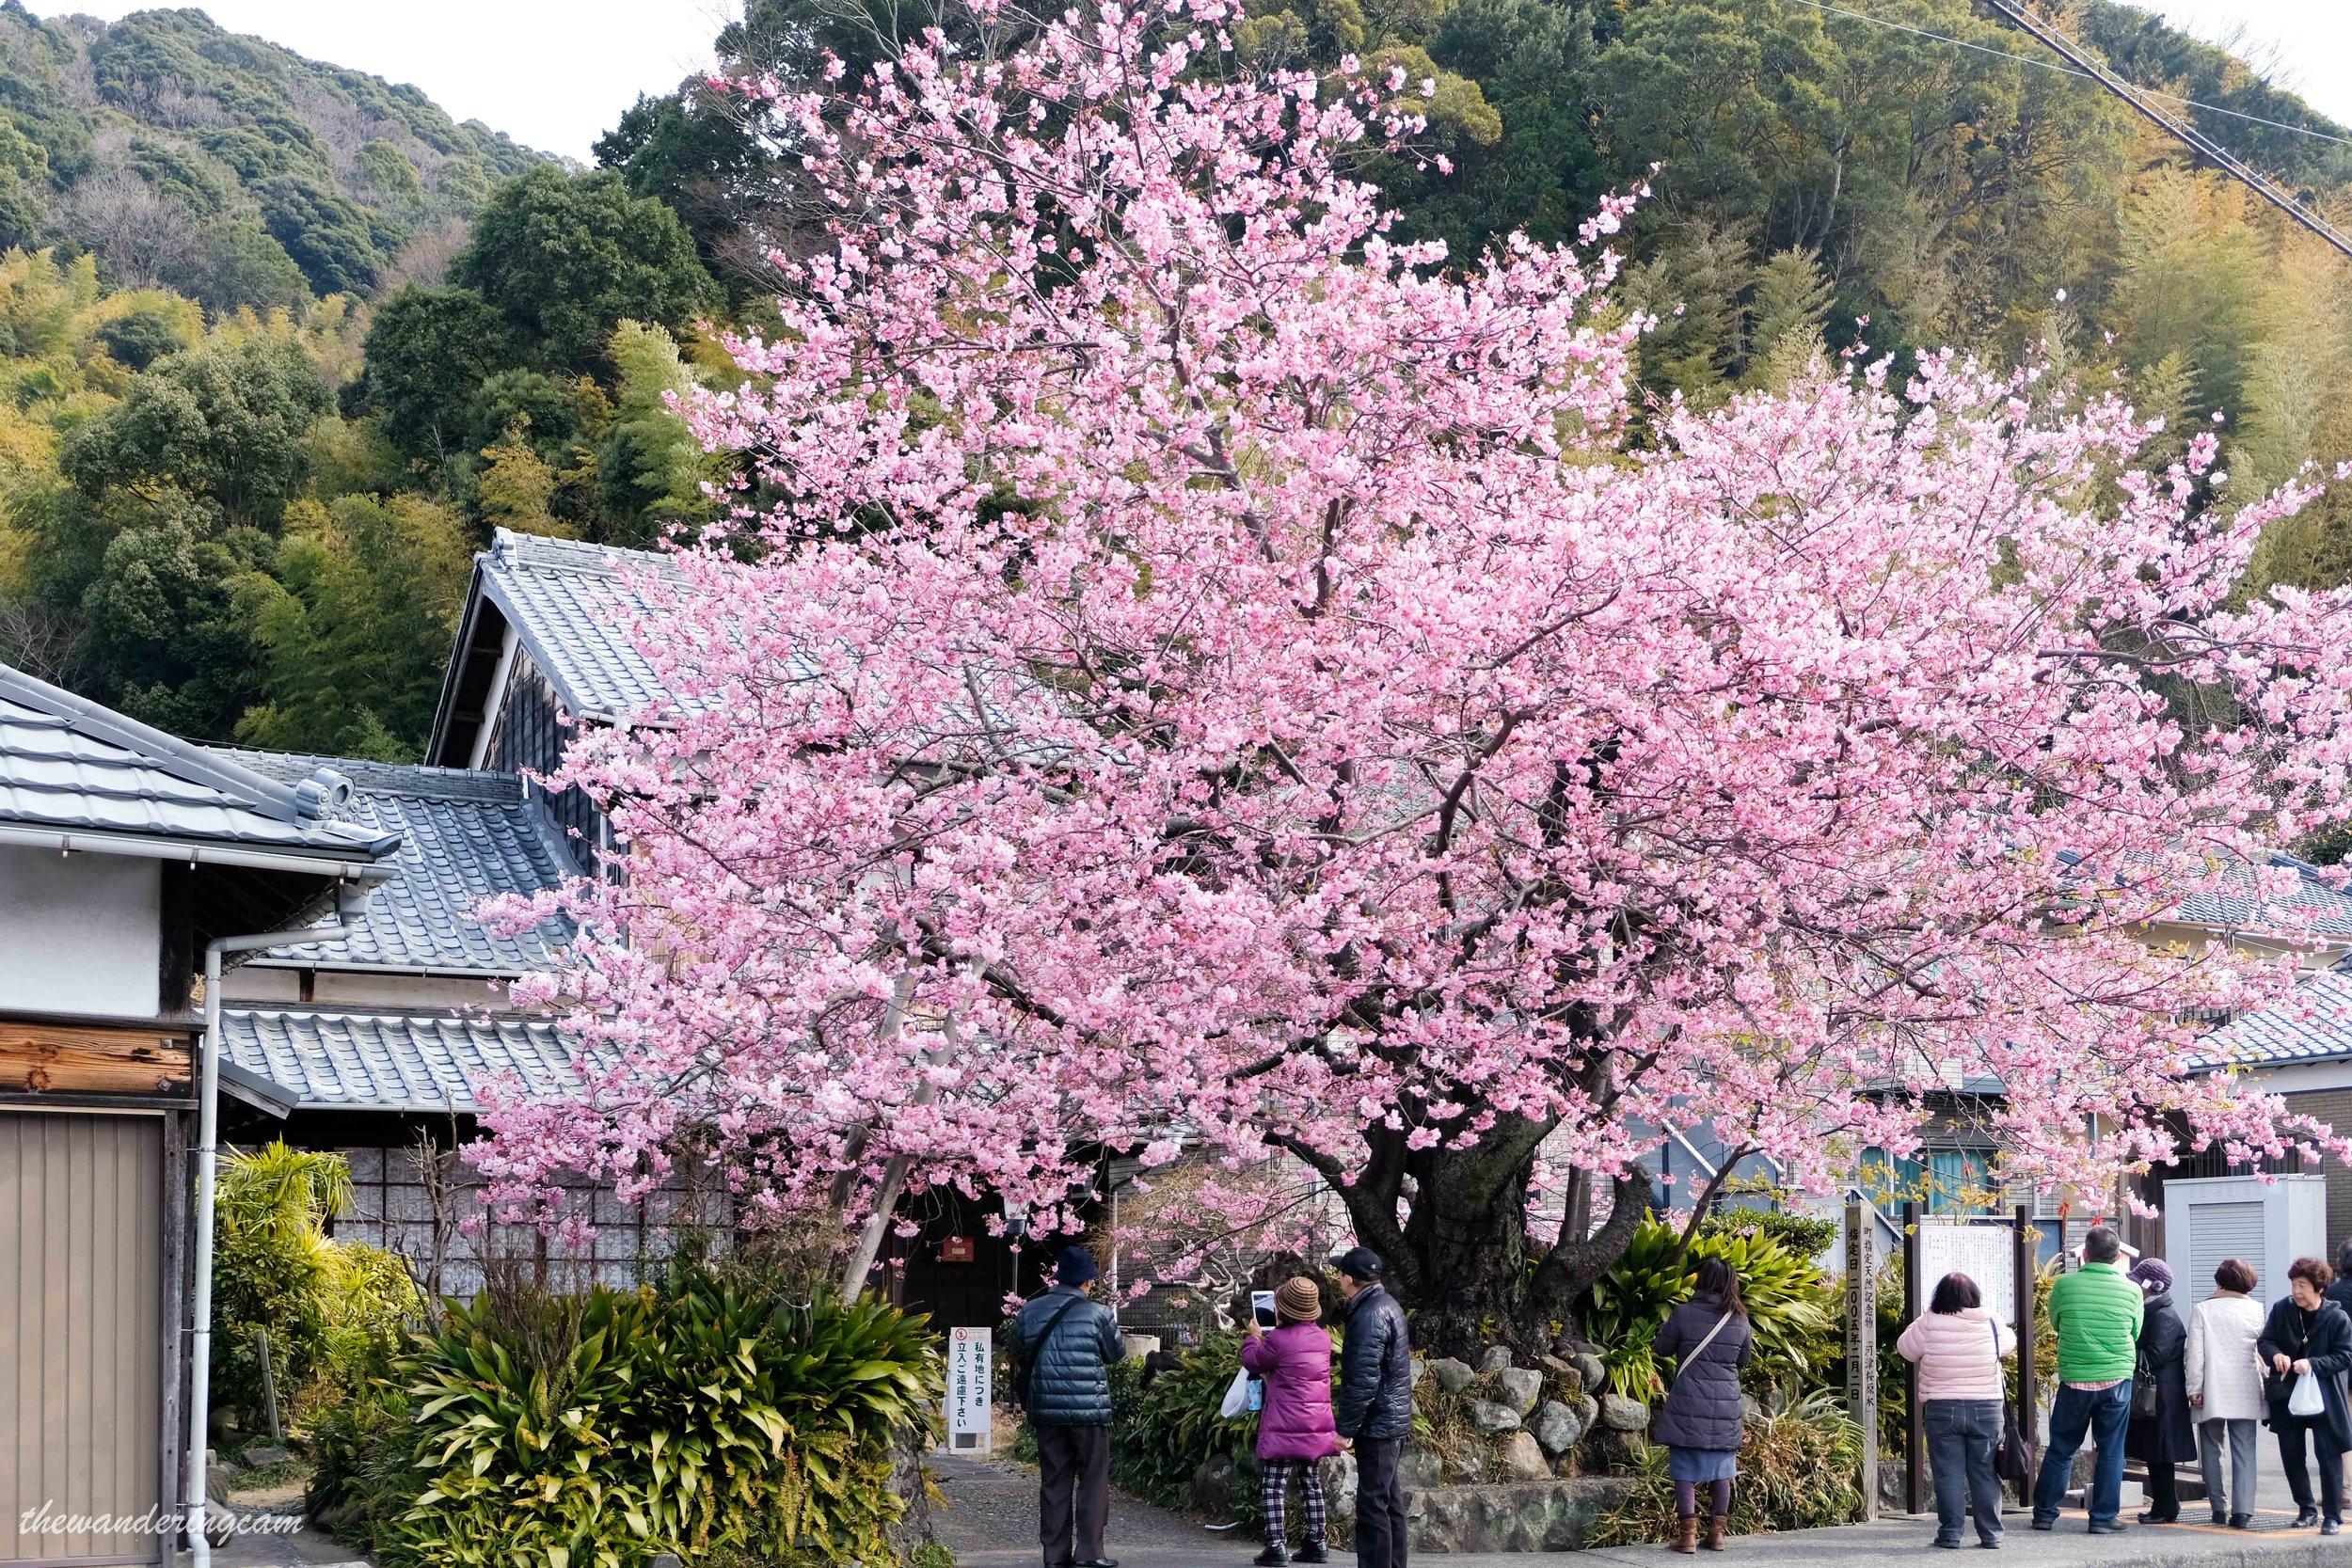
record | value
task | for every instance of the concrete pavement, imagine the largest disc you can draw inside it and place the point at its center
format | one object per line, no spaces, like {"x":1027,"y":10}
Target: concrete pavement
{"x":990,"y":1522}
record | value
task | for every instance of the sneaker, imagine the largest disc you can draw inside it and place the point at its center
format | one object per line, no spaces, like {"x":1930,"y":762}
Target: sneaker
{"x":1943,"y":1545}
{"x":2048,"y":1524}
{"x":2109,"y":1527}
{"x":1275,"y":1555}
{"x":1311,"y":1552}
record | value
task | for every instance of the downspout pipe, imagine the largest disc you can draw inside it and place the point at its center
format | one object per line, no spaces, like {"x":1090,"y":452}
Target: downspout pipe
{"x":351,"y":899}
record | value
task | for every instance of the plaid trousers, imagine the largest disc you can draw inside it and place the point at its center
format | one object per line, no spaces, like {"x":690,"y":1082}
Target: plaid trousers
{"x":1276,"y":1485}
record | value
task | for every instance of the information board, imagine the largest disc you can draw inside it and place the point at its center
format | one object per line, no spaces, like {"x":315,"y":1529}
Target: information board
{"x":970,"y":1423}
{"x":1986,"y":1253}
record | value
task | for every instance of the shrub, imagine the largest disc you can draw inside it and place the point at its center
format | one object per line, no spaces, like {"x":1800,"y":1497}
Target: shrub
{"x":1801,"y":1469}
{"x":1162,"y":1434}
{"x":1789,"y":1305}
{"x":699,"y":1416}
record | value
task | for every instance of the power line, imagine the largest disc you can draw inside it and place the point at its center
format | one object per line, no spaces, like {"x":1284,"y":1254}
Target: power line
{"x":2069,"y":70}
{"x":2195,"y":140}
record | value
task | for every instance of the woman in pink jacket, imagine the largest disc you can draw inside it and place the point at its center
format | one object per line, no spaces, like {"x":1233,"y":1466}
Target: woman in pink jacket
{"x":1295,"y":1426}
{"x":1958,"y":1347}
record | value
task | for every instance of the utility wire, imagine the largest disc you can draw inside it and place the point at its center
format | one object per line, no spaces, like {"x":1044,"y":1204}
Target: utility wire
{"x":2069,"y":70}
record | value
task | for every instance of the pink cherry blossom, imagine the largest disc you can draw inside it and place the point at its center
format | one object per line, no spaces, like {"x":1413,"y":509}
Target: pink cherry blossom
{"x":1198,"y":673}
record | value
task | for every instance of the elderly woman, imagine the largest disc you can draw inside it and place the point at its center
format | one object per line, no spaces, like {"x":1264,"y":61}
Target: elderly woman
{"x":2224,"y":1378}
{"x":1295,"y":1429}
{"x":2160,"y":1434}
{"x":2308,"y":1338}
{"x":1958,"y":1347}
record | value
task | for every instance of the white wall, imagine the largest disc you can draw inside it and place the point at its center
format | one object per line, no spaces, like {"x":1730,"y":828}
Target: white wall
{"x":80,"y":933}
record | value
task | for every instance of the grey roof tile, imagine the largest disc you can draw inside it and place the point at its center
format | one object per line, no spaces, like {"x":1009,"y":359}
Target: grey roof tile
{"x":2311,"y":1023}
{"x":464,"y":837}
{"x":2314,"y":906}
{"x":369,"y":1060}
{"x":571,"y":605}
{"x":69,"y":765}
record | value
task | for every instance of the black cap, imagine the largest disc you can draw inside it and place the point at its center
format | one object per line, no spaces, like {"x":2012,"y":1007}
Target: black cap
{"x":1358,"y":1262}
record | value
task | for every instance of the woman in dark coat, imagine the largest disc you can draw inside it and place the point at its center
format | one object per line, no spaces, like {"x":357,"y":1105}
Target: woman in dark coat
{"x":2167,"y":1436}
{"x":2308,"y":1336}
{"x":1709,"y":1338}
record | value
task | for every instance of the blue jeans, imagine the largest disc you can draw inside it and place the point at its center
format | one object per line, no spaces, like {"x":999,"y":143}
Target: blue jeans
{"x":1961,"y":1435}
{"x":2103,"y":1415}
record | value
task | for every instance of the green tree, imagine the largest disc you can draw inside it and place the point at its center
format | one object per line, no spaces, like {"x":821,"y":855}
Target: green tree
{"x":650,"y":467}
{"x":228,"y":423}
{"x":428,"y":352}
{"x":1785,"y":319}
{"x":564,"y":258}
{"x":353,"y":624}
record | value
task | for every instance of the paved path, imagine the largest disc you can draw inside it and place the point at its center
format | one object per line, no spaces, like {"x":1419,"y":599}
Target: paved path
{"x":990,"y":1522}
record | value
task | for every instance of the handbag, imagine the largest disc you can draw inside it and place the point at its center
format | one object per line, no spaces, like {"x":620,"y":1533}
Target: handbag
{"x":2013,"y":1457}
{"x":2144,"y":1392}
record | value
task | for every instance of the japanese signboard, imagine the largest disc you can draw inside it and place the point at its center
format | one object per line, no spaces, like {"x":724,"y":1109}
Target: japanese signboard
{"x":1985,"y":1253}
{"x":970,"y":1426}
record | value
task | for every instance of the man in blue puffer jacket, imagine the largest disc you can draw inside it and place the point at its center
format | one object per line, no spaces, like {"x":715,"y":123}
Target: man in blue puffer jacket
{"x":1374,"y":1408}
{"x":1064,"y":1346}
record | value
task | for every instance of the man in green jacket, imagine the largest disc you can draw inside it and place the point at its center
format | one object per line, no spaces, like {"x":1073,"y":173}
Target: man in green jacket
{"x":2096,"y":1312}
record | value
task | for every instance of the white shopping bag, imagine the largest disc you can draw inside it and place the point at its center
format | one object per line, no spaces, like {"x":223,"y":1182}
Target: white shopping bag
{"x":2305,"y":1400}
{"x":1236,"y":1403}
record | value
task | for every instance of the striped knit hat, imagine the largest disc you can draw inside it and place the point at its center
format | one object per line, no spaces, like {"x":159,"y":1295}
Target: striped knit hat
{"x":1297,"y":1301}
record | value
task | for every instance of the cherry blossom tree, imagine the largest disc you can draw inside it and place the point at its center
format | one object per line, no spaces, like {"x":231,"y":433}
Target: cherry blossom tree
{"x":1219,"y":680}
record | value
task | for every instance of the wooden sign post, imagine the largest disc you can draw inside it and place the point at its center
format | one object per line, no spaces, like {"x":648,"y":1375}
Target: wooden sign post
{"x":1862,"y":1342}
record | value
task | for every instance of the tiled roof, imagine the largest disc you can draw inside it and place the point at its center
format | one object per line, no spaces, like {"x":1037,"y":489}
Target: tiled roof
{"x":572,"y":604}
{"x":365,"y":1060}
{"x":2311,"y":908}
{"x":464,"y":836}
{"x":2311,"y":1023}
{"x":70,"y":766}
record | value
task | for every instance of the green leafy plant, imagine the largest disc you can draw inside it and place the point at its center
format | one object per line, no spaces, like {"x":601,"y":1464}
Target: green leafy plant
{"x":697,"y":1415}
{"x":1161,"y":1434}
{"x":1801,"y":1469}
{"x":1787,"y":1302}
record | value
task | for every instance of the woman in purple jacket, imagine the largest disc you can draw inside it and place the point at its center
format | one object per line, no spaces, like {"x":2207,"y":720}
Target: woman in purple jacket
{"x":1294,"y":1427}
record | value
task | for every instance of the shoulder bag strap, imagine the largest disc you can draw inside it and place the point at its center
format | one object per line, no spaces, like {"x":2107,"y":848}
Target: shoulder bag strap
{"x":1696,"y":1351}
{"x":1037,"y":1352}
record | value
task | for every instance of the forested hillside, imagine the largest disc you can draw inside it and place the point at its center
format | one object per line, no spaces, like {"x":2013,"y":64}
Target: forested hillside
{"x":282,"y":343}
{"x":225,"y":167}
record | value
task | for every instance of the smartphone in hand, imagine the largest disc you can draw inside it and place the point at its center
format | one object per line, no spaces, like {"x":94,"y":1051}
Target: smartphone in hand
{"x":1262,"y":1309}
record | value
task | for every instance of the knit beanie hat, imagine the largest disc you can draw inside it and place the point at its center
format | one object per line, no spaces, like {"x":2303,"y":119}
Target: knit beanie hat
{"x":1297,"y":1301}
{"x":1075,"y":1266}
{"x":2153,"y":1275}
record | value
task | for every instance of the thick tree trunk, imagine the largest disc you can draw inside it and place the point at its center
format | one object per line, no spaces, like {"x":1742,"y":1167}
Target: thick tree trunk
{"x":1462,"y":1262}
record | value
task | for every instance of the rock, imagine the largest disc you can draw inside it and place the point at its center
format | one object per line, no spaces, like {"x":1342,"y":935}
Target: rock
{"x":260,"y":1455}
{"x":1496,"y":1359}
{"x":1609,"y":1451}
{"x":1619,"y":1413}
{"x":1415,"y":1468}
{"x":216,"y":1476}
{"x":1523,"y":1459}
{"x":1560,"y":1372}
{"x":1588,"y":1367}
{"x":1139,"y":1346}
{"x":1215,"y":1486}
{"x":1749,"y":1409}
{"x":1420,"y":1365}
{"x":1520,"y":1387}
{"x":1493,"y":1420}
{"x":1556,"y":1428}
{"x":1339,"y":1488}
{"x":1545,"y":1515}
{"x":1587,"y":1409}
{"x":1452,"y":1375}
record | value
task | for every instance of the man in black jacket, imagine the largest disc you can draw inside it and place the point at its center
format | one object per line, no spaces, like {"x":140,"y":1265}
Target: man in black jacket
{"x":1065,"y":1346}
{"x":1374,"y":1408}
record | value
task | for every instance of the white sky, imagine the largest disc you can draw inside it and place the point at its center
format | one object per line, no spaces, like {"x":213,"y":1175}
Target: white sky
{"x":555,"y":74}
{"x":2302,"y":45}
